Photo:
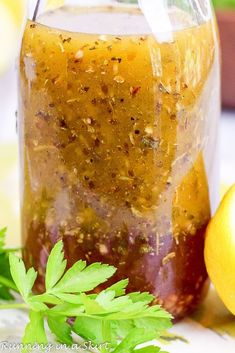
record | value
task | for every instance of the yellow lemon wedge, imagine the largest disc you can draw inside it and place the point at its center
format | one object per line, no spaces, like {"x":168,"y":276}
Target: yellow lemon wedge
{"x":12,"y":14}
{"x":220,"y":250}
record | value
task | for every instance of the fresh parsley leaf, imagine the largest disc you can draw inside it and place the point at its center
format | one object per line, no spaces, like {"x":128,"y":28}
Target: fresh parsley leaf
{"x":89,"y":328}
{"x":36,"y":305}
{"x":80,"y":278}
{"x":91,"y":306}
{"x":138,"y":311}
{"x":122,"y":328}
{"x":119,"y":288}
{"x":2,"y":239}
{"x":149,"y":349}
{"x":142,"y":297}
{"x":5,"y":293}
{"x":6,"y":281}
{"x":120,"y":316}
{"x":45,"y":298}
{"x":69,"y":298}
{"x":123,"y":321}
{"x":34,"y":332}
{"x":23,"y":280}
{"x":136,"y":337}
{"x":56,"y":265}
{"x":67,"y":309}
{"x":107,"y":300}
{"x":61,"y":329}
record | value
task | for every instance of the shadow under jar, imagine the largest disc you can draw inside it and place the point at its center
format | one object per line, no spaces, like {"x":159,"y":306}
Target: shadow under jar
{"x":118,"y":129}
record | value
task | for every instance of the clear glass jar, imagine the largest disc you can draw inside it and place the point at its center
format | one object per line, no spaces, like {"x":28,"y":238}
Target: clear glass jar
{"x":119,"y":107}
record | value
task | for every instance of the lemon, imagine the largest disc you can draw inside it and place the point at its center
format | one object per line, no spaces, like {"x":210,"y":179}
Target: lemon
{"x":220,"y":250}
{"x":12,"y":14}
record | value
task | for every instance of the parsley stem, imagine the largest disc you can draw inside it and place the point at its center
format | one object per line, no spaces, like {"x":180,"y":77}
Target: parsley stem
{"x":13,"y":306}
{"x":8,"y":283}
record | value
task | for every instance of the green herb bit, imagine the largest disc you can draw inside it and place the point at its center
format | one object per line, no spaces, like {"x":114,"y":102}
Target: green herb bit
{"x":123,"y":321}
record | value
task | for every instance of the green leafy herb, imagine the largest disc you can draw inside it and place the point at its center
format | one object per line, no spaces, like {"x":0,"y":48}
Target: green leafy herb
{"x":123,"y":321}
{"x":34,"y":331}
{"x":6,"y":282}
{"x":61,"y":329}
{"x":23,"y":280}
{"x":2,"y":239}
{"x":56,"y":266}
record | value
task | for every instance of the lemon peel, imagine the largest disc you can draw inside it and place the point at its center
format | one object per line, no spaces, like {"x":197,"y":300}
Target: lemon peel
{"x":220,"y":250}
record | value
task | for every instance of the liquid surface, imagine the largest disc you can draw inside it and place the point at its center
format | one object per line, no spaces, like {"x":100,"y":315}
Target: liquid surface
{"x":117,"y":152}
{"x":109,"y":20}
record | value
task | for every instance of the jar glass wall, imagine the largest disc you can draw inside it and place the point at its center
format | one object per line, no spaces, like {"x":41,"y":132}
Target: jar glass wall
{"x":119,"y":105}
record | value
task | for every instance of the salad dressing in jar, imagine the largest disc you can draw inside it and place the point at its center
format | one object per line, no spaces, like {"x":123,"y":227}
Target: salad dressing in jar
{"x":117,"y":137}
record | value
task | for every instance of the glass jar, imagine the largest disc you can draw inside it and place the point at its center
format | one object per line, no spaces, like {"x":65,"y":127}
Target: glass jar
{"x":119,"y":107}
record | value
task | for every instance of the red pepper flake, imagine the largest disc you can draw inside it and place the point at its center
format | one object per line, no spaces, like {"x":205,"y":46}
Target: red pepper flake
{"x":91,"y":185}
{"x":63,"y":124}
{"x":86,"y":89}
{"x":134,"y":90}
{"x":97,"y":142}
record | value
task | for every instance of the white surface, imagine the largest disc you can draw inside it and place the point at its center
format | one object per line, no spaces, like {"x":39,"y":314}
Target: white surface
{"x":227,"y":147}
